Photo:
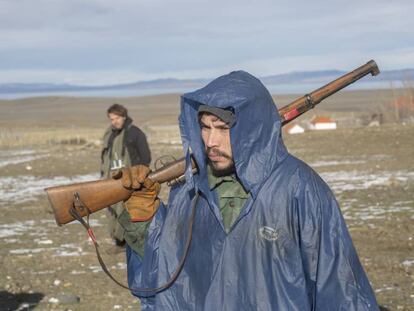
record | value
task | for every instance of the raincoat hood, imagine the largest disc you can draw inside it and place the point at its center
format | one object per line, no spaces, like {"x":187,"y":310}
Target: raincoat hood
{"x":256,"y":141}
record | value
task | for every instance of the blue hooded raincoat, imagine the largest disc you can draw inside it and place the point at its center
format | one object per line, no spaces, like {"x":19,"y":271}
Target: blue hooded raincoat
{"x":289,"y":249}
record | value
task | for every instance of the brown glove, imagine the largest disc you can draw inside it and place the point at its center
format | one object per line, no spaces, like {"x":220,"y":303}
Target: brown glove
{"x":144,"y":201}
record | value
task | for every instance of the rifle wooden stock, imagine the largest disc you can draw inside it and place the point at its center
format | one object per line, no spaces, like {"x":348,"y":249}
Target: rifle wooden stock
{"x":99,"y":194}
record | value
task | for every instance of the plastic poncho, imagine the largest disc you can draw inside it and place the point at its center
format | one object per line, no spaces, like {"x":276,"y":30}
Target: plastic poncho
{"x":289,"y":249}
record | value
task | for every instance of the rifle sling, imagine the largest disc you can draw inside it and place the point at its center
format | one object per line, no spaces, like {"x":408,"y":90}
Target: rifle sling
{"x":78,"y":206}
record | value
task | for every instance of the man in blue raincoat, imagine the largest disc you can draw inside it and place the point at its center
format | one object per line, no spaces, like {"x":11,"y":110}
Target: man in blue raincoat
{"x":267,"y":232}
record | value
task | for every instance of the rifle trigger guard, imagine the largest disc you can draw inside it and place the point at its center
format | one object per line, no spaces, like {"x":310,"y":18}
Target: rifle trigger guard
{"x":309,"y":101}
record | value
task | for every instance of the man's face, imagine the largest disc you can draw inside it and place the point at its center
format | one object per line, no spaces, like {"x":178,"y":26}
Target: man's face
{"x":117,"y":122}
{"x":216,"y":136}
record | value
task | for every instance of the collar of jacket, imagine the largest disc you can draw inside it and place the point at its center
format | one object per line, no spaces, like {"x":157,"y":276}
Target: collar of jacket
{"x":127,"y":124}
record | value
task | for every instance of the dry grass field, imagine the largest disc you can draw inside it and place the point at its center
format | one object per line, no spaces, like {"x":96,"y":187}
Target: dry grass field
{"x":55,"y":140}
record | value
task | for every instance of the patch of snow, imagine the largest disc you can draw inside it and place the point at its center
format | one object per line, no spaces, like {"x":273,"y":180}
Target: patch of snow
{"x":386,"y":288}
{"x":17,"y":228}
{"x":335,"y":163}
{"x":341,"y":181}
{"x":57,"y":282}
{"x":26,"y":188}
{"x":43,"y":272}
{"x":25,"y":251}
{"x":358,"y":212}
{"x":9,"y":241}
{"x":76,"y":272}
{"x":119,"y":266}
{"x":69,"y":250}
{"x":54,"y":300}
{"x":408,"y":263}
{"x":44,"y":241}
{"x":16,"y":156}
{"x":62,"y":253}
{"x":16,"y":152}
{"x":95,"y":269}
{"x":25,"y":306}
{"x":19,"y":160}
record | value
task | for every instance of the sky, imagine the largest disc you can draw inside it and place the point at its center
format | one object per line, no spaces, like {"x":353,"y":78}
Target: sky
{"x":99,"y":42}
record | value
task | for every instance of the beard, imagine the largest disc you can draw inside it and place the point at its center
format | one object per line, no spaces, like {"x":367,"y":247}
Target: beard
{"x":221,"y":171}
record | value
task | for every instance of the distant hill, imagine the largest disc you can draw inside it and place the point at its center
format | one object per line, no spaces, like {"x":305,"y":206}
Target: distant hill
{"x":304,"y":77}
{"x":51,"y":87}
{"x":321,"y":77}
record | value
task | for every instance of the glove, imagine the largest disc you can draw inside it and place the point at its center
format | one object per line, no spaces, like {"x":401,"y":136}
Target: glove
{"x":144,"y":201}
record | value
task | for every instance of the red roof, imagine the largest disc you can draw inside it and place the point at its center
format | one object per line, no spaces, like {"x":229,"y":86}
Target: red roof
{"x":322,"y":120}
{"x":404,"y":102}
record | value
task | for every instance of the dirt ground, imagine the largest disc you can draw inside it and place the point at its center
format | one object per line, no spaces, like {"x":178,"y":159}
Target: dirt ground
{"x":46,"y":267}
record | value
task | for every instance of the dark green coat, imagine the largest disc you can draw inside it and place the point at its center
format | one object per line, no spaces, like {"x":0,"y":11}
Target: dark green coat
{"x":122,"y":148}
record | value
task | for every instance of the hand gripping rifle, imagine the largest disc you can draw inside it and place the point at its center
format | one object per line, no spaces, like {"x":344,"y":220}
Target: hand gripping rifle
{"x":97,"y":195}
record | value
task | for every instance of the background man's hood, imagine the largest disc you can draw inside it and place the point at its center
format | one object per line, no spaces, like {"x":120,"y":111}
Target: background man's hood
{"x":255,"y":137}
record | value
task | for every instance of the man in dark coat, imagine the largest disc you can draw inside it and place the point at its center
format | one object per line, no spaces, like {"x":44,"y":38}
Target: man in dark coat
{"x":124,"y":145}
{"x":285,"y":246}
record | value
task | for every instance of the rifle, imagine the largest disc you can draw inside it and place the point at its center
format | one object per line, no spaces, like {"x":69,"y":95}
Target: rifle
{"x":97,"y":195}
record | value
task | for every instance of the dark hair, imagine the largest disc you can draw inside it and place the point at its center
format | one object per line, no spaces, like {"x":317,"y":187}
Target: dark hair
{"x":118,"y":109}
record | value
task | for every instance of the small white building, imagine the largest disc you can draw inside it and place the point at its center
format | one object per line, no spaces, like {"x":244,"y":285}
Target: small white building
{"x":323,"y":123}
{"x":294,"y":129}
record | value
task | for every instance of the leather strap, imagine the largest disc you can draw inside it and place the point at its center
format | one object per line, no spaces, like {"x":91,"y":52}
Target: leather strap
{"x":78,"y":206}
